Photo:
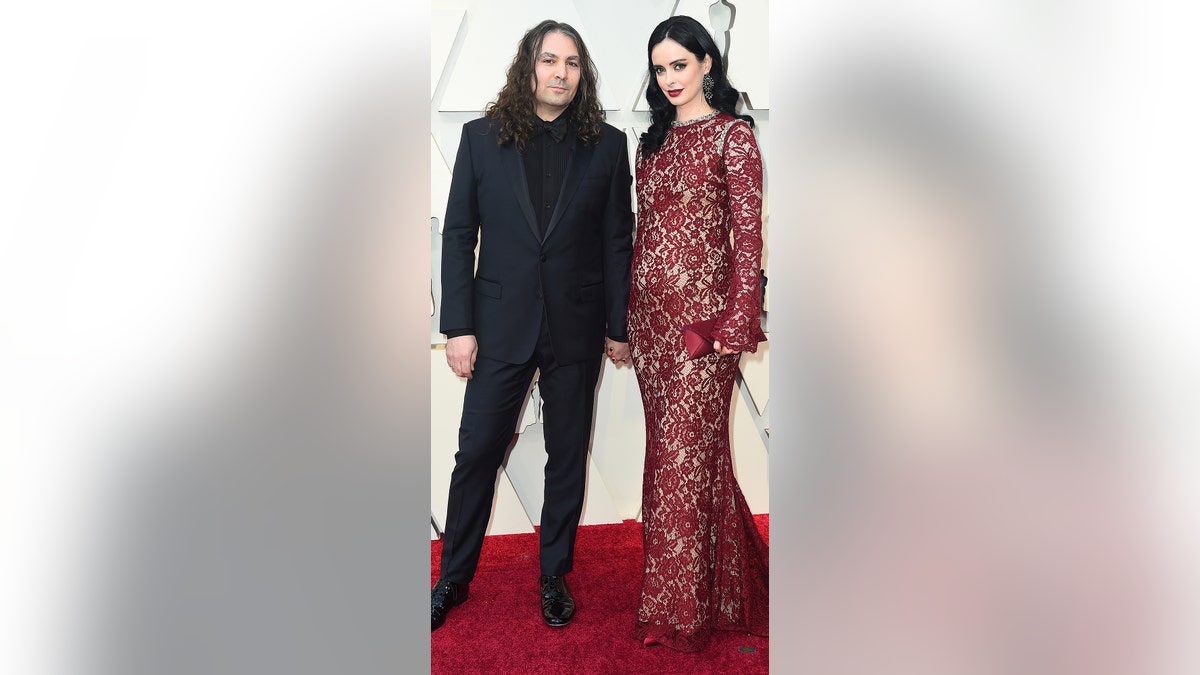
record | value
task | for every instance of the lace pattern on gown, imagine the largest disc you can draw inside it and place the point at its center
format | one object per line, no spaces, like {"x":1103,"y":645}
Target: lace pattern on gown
{"x":696,"y":256}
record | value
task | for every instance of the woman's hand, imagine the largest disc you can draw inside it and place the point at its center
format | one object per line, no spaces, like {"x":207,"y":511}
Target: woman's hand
{"x":722,"y":349}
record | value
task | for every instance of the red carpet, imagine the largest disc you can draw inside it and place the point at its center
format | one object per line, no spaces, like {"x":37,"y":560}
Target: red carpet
{"x":500,"y":630}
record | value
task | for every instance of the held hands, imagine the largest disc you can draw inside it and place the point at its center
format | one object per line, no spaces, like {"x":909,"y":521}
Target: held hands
{"x":618,"y":352}
{"x":460,"y":354}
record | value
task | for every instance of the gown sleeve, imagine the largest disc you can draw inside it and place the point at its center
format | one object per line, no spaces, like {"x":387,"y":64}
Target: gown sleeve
{"x":743,"y":175}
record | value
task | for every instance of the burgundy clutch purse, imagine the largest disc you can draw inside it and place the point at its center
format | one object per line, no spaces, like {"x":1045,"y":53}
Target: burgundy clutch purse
{"x":697,"y":337}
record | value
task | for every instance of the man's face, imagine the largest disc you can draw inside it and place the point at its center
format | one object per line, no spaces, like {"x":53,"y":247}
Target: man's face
{"x":556,"y":75}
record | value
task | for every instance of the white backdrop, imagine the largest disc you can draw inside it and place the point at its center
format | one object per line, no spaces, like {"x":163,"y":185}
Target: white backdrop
{"x":472,"y":43}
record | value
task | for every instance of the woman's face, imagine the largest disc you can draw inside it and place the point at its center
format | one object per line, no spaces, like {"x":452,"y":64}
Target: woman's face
{"x":679,"y":72}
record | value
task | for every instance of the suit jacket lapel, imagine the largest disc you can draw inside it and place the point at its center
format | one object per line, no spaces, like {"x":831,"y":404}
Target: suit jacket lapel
{"x":515,"y":167}
{"x":577,"y":164}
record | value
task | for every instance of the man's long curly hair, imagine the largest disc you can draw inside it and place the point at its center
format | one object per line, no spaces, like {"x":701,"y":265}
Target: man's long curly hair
{"x":513,"y":110}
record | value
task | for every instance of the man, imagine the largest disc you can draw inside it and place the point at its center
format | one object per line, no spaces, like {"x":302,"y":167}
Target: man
{"x":541,"y":183}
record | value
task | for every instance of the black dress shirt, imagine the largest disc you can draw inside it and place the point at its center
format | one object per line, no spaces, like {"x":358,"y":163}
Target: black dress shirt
{"x":545,"y":165}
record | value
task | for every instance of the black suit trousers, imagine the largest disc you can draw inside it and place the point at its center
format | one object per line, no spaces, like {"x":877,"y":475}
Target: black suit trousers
{"x":491,"y":407}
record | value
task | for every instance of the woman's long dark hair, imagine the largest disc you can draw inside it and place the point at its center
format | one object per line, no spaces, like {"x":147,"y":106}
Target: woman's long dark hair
{"x":695,"y":38}
{"x":513,"y":109}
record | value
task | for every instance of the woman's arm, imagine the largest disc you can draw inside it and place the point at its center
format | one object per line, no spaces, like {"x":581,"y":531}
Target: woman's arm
{"x":743,"y":175}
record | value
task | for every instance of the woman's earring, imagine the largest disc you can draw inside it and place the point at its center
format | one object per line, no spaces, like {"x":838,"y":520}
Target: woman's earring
{"x":707,"y":85}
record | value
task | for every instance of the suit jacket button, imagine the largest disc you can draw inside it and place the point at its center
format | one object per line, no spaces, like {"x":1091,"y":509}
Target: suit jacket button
{"x":543,"y":258}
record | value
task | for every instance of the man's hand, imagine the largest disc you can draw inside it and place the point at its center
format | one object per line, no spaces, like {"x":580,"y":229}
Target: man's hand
{"x":617,"y":351}
{"x":460,"y":354}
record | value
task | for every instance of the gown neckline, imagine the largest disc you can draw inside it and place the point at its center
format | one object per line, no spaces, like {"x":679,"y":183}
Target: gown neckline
{"x":694,"y":120}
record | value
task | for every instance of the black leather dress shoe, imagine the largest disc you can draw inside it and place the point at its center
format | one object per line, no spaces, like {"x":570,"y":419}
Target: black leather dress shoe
{"x":557,"y":604}
{"x":445,"y":594}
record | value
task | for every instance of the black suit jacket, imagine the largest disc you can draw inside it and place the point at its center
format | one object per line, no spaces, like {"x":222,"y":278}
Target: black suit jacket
{"x":578,"y":274}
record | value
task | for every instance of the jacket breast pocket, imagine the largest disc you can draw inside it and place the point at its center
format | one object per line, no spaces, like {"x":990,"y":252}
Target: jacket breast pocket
{"x":594,"y":185}
{"x":592,"y":193}
{"x":487,"y":288}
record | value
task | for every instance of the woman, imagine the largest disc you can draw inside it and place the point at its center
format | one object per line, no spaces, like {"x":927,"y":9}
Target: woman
{"x":699,"y":178}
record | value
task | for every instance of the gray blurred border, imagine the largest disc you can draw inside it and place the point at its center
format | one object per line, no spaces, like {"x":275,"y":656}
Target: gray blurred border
{"x":786,"y":399}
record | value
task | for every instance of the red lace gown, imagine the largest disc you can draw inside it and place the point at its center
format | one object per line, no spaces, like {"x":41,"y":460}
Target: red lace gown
{"x":706,"y":563}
